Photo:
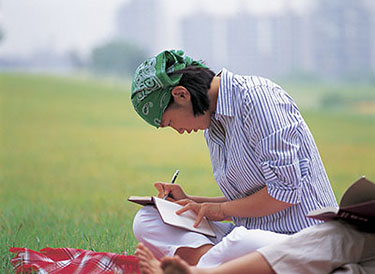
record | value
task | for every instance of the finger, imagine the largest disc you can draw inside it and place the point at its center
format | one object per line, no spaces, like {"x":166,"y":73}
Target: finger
{"x":161,"y":189}
{"x":170,"y":199}
{"x":199,"y":218}
{"x":168,"y":189}
{"x":159,"y":186}
{"x":183,"y":202}
{"x":184,"y":209}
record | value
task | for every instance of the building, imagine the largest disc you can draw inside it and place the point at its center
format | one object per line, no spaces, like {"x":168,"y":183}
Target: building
{"x":333,"y":39}
{"x":140,"y":22}
{"x":341,"y":33}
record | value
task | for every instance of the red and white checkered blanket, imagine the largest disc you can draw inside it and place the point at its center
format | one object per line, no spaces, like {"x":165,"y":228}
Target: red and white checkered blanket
{"x":70,"y":260}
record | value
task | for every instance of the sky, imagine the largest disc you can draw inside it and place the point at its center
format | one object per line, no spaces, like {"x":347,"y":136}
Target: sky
{"x":79,"y":25}
{"x":31,"y":25}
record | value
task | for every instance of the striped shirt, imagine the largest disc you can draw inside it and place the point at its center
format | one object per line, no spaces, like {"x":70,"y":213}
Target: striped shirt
{"x":257,"y":138}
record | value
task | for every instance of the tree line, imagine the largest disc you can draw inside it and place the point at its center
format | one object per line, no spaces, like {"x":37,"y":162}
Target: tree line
{"x":116,"y":57}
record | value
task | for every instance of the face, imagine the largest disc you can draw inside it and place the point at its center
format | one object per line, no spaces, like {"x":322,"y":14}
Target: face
{"x":179,"y":115}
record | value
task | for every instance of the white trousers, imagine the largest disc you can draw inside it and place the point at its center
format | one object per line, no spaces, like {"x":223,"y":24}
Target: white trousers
{"x":230,"y":242}
{"x":331,"y":247}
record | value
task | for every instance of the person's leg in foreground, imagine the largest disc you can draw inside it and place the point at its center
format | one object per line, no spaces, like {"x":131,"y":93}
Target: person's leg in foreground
{"x":253,"y":262}
{"x":165,"y":240}
{"x":324,"y":248}
{"x":196,"y":249}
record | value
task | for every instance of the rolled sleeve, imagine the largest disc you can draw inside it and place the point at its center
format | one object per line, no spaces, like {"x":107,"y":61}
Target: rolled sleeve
{"x":278,"y":159}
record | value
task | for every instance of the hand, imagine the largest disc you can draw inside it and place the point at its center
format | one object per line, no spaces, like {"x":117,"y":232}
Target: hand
{"x":174,"y":191}
{"x":212,"y":211}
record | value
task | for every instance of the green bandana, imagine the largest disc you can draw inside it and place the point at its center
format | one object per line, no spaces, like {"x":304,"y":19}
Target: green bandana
{"x":151,"y":87}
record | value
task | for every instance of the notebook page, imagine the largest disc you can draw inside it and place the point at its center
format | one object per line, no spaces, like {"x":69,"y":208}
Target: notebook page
{"x":186,"y":220}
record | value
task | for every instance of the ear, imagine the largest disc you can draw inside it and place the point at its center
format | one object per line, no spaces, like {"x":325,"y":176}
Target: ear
{"x":180,"y":95}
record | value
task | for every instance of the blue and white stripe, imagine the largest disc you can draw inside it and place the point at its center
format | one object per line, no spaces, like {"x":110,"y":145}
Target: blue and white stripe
{"x":258,"y":138}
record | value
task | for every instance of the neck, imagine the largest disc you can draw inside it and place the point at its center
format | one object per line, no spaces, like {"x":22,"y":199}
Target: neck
{"x":213,"y":93}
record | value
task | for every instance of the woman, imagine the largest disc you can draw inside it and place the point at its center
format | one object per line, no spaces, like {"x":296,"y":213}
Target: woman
{"x":263,"y":156}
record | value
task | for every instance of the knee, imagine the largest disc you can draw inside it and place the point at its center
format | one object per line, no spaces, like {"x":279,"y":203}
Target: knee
{"x":143,"y":217}
{"x":237,"y":235}
{"x":252,"y":239}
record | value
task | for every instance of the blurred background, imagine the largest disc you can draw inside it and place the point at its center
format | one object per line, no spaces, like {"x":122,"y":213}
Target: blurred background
{"x":72,"y":149}
{"x":329,"y":39}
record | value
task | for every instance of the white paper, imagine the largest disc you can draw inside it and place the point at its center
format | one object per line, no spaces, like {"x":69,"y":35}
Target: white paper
{"x":186,"y":220}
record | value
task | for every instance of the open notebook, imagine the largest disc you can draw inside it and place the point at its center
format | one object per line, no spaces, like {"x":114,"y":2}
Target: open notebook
{"x":167,"y":211}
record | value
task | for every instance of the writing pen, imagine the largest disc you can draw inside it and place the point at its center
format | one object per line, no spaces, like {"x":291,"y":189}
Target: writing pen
{"x":172,"y":181}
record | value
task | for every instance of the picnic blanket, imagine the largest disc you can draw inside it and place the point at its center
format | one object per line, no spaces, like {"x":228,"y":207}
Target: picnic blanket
{"x":71,"y":260}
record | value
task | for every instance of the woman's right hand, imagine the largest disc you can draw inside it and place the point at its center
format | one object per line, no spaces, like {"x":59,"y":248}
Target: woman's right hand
{"x":174,"y":191}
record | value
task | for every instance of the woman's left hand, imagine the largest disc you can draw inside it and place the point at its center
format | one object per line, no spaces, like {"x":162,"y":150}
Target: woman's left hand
{"x":212,"y":211}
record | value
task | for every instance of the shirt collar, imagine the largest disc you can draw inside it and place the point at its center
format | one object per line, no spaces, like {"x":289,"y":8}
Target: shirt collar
{"x":224,"y":105}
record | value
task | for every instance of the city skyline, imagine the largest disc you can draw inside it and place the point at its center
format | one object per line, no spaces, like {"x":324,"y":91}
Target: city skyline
{"x":246,"y":37}
{"x":64,"y":25}
{"x":331,"y":39}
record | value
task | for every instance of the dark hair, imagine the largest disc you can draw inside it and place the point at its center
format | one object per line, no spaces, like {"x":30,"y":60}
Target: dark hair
{"x":197,"y":80}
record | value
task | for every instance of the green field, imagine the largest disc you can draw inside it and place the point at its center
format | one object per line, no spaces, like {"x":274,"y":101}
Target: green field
{"x":73,"y":150}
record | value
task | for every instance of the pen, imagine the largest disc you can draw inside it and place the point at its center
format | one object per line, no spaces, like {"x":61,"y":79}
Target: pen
{"x":173,"y":180}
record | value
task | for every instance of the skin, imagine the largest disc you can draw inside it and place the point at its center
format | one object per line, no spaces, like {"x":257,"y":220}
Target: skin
{"x":179,"y":116}
{"x":250,"y":263}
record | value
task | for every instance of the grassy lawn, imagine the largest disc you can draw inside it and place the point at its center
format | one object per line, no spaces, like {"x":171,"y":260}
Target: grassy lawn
{"x":72,"y":151}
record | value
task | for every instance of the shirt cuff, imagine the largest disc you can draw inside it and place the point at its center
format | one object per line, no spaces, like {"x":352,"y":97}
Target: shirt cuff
{"x":287,"y":195}
{"x":282,"y":182}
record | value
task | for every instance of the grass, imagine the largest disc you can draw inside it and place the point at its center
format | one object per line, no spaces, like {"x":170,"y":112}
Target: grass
{"x":72,"y":151}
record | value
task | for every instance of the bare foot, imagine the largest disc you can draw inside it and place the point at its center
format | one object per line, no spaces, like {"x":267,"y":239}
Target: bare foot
{"x":148,"y":264}
{"x":175,"y":265}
